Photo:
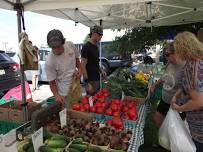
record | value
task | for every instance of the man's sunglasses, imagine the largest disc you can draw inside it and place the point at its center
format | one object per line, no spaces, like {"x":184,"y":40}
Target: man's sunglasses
{"x":99,"y":34}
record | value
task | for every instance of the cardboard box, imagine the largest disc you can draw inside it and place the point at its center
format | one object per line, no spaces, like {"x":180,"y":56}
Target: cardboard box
{"x":16,"y":112}
{"x":79,"y":115}
{"x":4,"y":111}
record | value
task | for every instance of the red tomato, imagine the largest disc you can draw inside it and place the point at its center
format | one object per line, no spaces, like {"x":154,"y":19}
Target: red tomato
{"x":99,"y":110}
{"x":85,"y":100}
{"x":116,"y":114}
{"x":76,"y":106}
{"x":126,"y":117}
{"x":82,"y":109}
{"x":93,"y":109}
{"x":124,"y":109}
{"x":109,"y":112}
{"x":114,"y":107}
{"x":87,"y":107}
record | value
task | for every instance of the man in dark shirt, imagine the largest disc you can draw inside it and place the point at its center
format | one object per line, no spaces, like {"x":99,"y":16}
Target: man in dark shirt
{"x":90,"y":61}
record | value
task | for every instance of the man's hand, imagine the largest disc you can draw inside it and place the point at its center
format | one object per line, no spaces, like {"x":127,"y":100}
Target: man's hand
{"x":152,"y":88}
{"x":104,"y":74}
{"x":60,"y":99}
{"x":77,"y":74}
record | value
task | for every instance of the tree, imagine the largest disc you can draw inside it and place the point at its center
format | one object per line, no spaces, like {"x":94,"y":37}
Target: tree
{"x":139,"y":38}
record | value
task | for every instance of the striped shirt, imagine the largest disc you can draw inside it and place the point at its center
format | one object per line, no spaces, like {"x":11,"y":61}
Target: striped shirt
{"x":193,"y":80}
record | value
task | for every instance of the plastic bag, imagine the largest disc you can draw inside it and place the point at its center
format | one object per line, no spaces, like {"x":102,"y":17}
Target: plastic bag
{"x":75,"y":92}
{"x":174,"y":135}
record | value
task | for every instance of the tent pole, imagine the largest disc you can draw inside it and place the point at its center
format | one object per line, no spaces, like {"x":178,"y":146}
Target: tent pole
{"x":100,"y":54}
{"x":24,"y":103}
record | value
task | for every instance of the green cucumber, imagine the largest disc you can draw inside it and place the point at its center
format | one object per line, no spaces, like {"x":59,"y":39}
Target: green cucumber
{"x":30,"y":149}
{"x":26,"y":146}
{"x":50,"y":149}
{"x":79,"y":147}
{"x":94,"y":149}
{"x":77,"y":141}
{"x":117,"y":151}
{"x":60,"y":137}
{"x":56,"y":143}
{"x":73,"y":150}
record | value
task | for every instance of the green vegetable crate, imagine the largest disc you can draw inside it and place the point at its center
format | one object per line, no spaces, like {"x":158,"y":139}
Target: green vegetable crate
{"x":6,"y":126}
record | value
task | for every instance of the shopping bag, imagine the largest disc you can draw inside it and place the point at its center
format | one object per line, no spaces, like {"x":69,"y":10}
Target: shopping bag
{"x":174,"y":135}
{"x":75,"y":92}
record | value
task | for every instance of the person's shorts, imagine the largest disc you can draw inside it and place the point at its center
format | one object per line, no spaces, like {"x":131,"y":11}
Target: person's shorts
{"x":95,"y":85}
{"x":163,"y":108}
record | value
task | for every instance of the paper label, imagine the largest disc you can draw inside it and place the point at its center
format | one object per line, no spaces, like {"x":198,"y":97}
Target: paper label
{"x":10,"y":137}
{"x":122,"y":96}
{"x":63,"y":116}
{"x":37,"y":139}
{"x":90,"y":101}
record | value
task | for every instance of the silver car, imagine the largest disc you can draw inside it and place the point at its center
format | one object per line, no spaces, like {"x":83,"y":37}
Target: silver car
{"x":43,"y":53}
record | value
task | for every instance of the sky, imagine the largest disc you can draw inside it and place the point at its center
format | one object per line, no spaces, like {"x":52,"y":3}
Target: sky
{"x":37,"y":26}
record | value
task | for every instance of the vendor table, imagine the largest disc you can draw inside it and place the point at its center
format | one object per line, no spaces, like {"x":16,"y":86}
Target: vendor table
{"x":138,"y":131}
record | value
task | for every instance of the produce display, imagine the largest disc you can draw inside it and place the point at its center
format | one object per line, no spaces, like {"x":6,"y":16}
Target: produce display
{"x":127,"y":82}
{"x":101,"y":104}
{"x":90,"y":133}
{"x":81,"y":133}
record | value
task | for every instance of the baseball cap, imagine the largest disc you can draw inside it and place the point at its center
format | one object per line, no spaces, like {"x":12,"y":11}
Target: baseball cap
{"x":96,"y":29}
{"x":55,"y":38}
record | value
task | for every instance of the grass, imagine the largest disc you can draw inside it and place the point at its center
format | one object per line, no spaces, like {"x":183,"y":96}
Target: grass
{"x":151,"y":134}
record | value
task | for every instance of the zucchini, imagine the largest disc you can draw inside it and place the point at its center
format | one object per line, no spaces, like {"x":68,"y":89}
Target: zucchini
{"x":26,"y":146}
{"x":80,"y":147}
{"x":94,"y":149}
{"x":30,"y":149}
{"x":77,"y":141}
{"x":56,"y":143}
{"x":60,"y":137}
{"x":50,"y":149}
{"x":73,"y":150}
{"x":117,"y":151}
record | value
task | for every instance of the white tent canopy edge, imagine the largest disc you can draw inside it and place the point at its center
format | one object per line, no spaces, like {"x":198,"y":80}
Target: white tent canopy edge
{"x":116,"y":14}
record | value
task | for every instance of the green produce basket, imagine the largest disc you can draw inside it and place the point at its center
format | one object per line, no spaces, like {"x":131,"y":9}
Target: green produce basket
{"x":50,"y":100}
{"x":98,"y":117}
{"x":6,"y":126}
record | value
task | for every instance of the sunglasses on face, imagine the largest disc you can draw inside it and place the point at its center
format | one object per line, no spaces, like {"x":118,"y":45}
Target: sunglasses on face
{"x":99,"y":34}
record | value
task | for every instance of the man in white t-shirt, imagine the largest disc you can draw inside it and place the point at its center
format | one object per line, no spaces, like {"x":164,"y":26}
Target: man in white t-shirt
{"x":62,"y":64}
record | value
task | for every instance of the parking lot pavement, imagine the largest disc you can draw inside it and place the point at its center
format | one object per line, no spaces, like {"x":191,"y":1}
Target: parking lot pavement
{"x":43,"y":93}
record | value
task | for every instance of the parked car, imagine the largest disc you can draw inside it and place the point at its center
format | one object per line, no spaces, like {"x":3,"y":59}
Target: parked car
{"x":117,"y":60}
{"x":9,"y":73}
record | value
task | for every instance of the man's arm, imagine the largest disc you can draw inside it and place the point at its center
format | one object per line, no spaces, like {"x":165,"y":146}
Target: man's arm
{"x":83,"y":68}
{"x":54,"y":90}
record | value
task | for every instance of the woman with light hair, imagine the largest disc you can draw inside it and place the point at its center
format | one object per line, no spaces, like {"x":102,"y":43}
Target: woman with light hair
{"x":190,"y":49}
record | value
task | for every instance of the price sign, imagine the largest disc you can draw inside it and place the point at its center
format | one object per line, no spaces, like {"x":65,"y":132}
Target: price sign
{"x":37,"y":139}
{"x":90,"y":101}
{"x":63,"y":116}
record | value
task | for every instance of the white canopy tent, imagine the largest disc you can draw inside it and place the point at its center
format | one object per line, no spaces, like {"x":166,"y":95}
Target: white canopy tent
{"x":115,"y":14}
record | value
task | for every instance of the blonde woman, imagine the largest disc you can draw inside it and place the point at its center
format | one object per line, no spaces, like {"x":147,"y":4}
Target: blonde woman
{"x":190,"y":49}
